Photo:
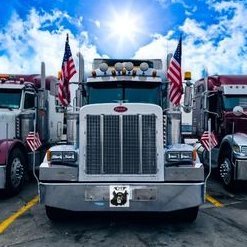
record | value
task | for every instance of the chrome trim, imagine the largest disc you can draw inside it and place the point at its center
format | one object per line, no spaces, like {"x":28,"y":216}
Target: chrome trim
{"x":2,"y":177}
{"x":102,"y":142}
{"x":241,"y":170}
{"x":140,"y":142}
{"x":121,"y":142}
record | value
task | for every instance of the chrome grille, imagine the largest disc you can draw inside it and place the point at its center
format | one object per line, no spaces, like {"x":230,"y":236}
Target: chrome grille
{"x":244,"y":149}
{"x":121,"y":144}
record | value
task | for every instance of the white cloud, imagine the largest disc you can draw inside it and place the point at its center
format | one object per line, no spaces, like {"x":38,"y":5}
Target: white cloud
{"x":221,"y":47}
{"x":97,"y":23}
{"x":41,"y":37}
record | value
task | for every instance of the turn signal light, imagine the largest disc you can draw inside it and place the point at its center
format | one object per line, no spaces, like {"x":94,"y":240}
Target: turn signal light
{"x":48,"y":155}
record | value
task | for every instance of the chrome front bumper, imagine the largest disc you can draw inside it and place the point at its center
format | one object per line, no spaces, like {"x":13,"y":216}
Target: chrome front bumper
{"x":148,"y":197}
{"x":2,"y":177}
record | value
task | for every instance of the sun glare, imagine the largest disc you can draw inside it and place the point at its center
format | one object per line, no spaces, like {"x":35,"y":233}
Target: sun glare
{"x":124,"y":27}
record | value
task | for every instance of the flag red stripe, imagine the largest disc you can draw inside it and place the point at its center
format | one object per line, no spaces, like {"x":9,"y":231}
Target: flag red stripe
{"x":209,"y":141}
{"x":174,"y":76}
{"x":68,"y":70}
{"x":33,"y":141}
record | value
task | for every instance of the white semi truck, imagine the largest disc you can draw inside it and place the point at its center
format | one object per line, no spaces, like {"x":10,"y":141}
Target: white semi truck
{"x":123,"y":150}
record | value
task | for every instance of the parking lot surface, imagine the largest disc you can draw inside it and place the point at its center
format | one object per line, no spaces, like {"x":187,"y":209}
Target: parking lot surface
{"x":222,"y":224}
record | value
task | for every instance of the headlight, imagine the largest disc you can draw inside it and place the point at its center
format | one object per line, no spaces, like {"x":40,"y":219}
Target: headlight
{"x":69,"y":156}
{"x":56,"y":156}
{"x":61,"y":156}
{"x":179,"y":156}
{"x":173,"y":156}
{"x":186,"y":155}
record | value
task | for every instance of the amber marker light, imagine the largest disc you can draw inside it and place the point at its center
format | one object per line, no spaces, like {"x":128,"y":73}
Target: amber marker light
{"x":59,"y":75}
{"x":134,"y":72}
{"x":48,"y":155}
{"x":154,"y":73}
{"x":194,"y":155}
{"x":93,"y":73}
{"x":187,"y":76}
{"x":113,"y":72}
{"x":123,"y":71}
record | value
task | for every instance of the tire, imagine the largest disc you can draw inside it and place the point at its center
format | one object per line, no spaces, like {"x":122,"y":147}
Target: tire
{"x":188,"y":215}
{"x":15,"y":172}
{"x":55,"y":214}
{"x":226,"y":172}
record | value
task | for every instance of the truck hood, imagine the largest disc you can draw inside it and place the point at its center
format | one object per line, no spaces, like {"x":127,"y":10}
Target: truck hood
{"x":240,"y":139}
{"x":7,"y":123}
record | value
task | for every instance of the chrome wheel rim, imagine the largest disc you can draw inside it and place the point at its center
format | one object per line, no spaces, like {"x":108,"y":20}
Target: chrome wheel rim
{"x":17,"y":172}
{"x":226,"y":171}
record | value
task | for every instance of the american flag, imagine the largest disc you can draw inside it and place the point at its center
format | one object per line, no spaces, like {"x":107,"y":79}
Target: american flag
{"x":208,"y":140}
{"x":68,"y":70}
{"x":174,"y":75}
{"x":33,"y":141}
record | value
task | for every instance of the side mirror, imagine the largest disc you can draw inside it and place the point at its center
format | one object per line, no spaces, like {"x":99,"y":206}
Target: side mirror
{"x":205,"y":105}
{"x":187,"y":98}
{"x":238,"y":111}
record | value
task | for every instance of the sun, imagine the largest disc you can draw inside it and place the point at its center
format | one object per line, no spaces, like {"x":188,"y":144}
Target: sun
{"x":124,"y":27}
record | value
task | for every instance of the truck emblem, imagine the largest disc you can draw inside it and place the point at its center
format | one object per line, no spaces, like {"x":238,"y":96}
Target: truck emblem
{"x":120,"y":108}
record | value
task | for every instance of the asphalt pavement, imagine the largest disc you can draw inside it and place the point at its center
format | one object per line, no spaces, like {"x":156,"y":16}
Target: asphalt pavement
{"x":223,"y":224}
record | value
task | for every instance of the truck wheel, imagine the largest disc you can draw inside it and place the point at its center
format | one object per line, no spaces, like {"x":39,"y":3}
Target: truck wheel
{"x":54,"y":214}
{"x":226,"y":172}
{"x":187,"y":215}
{"x":15,"y":172}
{"x":190,"y":214}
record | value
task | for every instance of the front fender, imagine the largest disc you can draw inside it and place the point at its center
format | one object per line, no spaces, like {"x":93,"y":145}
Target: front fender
{"x":236,"y":138}
{"x":5,"y":148}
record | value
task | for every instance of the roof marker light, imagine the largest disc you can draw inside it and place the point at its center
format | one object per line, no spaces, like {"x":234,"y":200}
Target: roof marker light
{"x":113,"y":72}
{"x":93,"y":73}
{"x":154,"y":73}
{"x":134,"y":72}
{"x":123,"y":71}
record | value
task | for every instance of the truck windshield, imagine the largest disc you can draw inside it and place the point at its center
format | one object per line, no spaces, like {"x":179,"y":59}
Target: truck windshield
{"x":10,"y":98}
{"x":230,"y":101}
{"x":124,"y":92}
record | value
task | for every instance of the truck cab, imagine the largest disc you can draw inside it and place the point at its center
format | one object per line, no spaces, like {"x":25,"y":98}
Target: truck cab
{"x":216,"y":98}
{"x":25,"y":107}
{"x":123,"y":150}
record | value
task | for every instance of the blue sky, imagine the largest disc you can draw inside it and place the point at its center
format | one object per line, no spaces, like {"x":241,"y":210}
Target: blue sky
{"x":214,"y":32}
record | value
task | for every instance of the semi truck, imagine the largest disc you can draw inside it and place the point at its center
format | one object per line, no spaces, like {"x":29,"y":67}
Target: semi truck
{"x":223,"y":99}
{"x":123,"y":150}
{"x":27,"y":104}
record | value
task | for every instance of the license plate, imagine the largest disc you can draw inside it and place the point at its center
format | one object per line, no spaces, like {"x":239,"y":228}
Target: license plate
{"x":119,"y":195}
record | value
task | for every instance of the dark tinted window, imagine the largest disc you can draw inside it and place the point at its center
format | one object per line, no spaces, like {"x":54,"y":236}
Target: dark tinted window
{"x":29,"y":101}
{"x":10,"y":98}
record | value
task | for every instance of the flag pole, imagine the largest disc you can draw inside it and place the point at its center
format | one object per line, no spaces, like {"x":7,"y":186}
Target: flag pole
{"x":209,"y":155}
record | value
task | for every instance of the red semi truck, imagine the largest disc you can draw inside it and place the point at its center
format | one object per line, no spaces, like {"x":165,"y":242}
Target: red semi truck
{"x":223,"y":99}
